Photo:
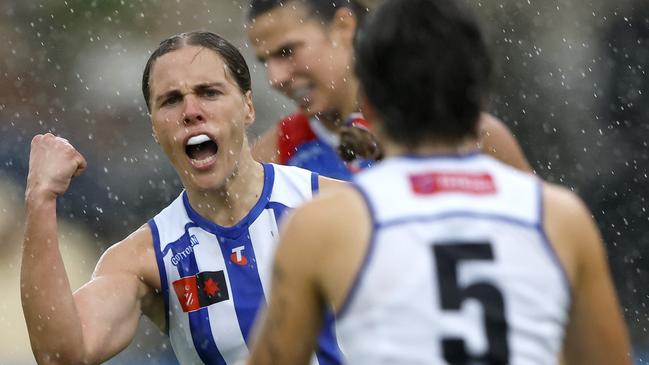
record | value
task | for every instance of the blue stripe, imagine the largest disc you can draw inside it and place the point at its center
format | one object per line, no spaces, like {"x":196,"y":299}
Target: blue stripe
{"x":245,"y":283}
{"x":315,"y":183}
{"x":328,"y":352}
{"x":159,"y":257}
{"x":199,"y":321}
{"x":368,"y":252}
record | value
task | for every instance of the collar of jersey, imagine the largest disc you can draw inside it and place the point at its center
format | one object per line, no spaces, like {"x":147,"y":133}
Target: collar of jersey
{"x":242,"y":226}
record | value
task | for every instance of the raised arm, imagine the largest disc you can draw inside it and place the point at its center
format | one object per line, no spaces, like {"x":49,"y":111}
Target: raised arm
{"x":596,"y":333}
{"x":101,"y":317}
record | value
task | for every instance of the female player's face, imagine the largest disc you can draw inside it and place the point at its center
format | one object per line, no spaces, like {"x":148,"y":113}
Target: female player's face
{"x":199,"y":115}
{"x":307,"y":61}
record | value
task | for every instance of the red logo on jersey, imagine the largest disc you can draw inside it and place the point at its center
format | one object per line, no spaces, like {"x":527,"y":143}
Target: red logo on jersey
{"x":237,"y":256}
{"x":201,"y":290}
{"x":211,"y":288}
{"x":452,"y":182}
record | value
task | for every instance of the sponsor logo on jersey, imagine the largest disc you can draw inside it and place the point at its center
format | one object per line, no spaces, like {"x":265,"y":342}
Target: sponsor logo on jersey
{"x":453,"y":182}
{"x":237,"y":256}
{"x":203,"y":289}
{"x":179,"y":256}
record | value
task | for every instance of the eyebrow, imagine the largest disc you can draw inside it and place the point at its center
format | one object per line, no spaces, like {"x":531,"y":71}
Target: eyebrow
{"x":199,"y":87}
{"x":277,"y":51}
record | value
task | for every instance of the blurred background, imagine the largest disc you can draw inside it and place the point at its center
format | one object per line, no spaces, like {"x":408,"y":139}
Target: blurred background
{"x":571,"y":83}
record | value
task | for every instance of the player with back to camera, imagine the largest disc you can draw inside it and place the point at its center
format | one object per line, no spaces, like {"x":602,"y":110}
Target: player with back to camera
{"x":199,"y":268}
{"x":306,"y":47}
{"x":440,"y":254}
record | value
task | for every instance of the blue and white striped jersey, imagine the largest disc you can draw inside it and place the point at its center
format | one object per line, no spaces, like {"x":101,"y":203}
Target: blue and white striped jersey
{"x":214,"y":279}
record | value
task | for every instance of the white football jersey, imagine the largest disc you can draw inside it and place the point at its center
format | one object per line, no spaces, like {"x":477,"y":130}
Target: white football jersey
{"x":215,"y":279}
{"x":459,"y":269}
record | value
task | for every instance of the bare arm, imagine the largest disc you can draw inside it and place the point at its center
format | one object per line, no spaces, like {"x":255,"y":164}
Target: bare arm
{"x":497,"y":140}
{"x":264,"y":149}
{"x":327,"y":184}
{"x":289,"y":328}
{"x":102,"y":316}
{"x":332,"y":230}
{"x":596,"y":333}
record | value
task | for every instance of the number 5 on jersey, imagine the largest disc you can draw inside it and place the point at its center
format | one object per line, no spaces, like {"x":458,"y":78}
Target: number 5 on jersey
{"x":448,"y":256}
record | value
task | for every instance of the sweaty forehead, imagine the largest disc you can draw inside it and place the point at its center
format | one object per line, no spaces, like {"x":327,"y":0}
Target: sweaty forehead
{"x":281,"y":25}
{"x":187,"y":66}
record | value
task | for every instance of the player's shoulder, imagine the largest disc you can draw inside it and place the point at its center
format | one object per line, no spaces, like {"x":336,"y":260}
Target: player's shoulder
{"x":134,"y":254}
{"x":138,"y":242}
{"x":562,"y":202}
{"x":333,"y":213}
{"x":566,"y":214}
{"x":291,"y":132}
{"x":326,"y":229}
{"x":497,"y":139}
{"x":294,"y":127}
{"x":327,"y":184}
{"x":292,"y":121}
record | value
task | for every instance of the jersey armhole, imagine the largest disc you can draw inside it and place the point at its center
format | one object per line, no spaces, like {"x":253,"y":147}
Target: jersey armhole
{"x":554,"y":256}
{"x":164,"y":286}
{"x":368,"y":253}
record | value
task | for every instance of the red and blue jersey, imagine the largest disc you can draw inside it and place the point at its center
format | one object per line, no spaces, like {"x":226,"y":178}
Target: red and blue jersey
{"x":306,"y":143}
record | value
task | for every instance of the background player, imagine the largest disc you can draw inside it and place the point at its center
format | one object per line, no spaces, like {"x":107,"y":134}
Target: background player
{"x":203,"y":257}
{"x":306,"y":46}
{"x":441,"y":255}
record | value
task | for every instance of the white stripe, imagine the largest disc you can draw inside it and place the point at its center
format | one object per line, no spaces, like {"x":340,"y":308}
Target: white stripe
{"x":292,"y":185}
{"x":264,"y":245}
{"x":168,"y":231}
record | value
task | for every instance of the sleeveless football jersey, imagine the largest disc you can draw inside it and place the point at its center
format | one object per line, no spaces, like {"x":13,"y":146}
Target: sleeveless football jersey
{"x":459,"y":269}
{"x":215,"y":279}
{"x":306,"y":143}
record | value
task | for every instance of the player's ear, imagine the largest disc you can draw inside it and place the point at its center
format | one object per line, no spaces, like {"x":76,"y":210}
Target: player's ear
{"x":249,"y":108}
{"x":343,"y":26}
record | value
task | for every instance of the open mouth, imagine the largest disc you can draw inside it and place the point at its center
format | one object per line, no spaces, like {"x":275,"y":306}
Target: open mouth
{"x":201,"y":149}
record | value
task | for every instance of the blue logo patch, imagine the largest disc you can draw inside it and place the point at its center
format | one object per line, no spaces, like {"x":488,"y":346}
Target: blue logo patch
{"x":180,"y":255}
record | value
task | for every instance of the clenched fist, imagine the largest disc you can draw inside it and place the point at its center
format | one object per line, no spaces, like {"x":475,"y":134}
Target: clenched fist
{"x":53,"y":161}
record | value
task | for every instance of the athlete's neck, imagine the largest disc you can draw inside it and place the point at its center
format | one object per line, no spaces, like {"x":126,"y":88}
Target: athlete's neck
{"x":347,"y":104}
{"x":468,"y":145}
{"x":231,"y":202}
